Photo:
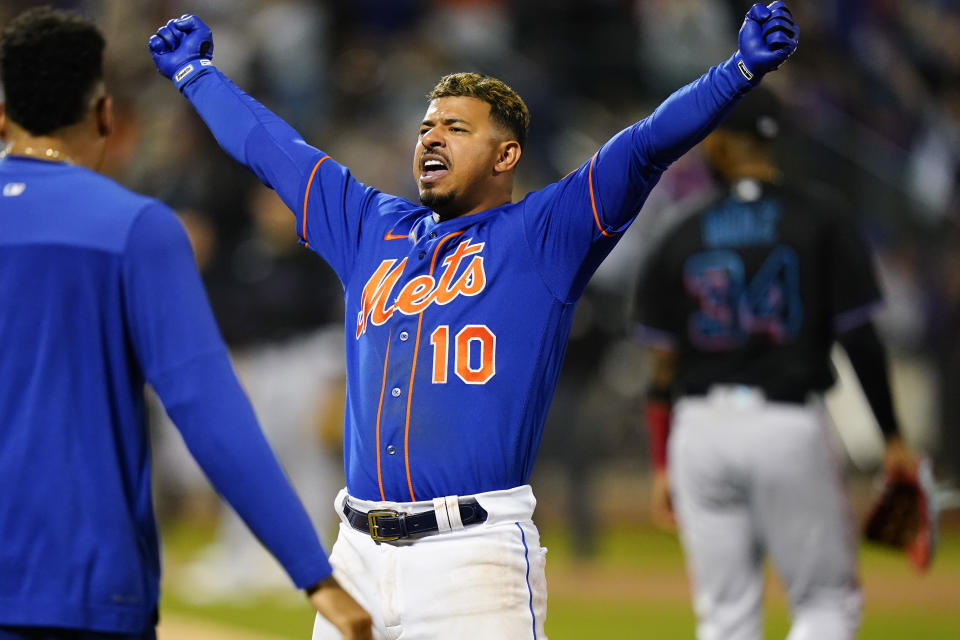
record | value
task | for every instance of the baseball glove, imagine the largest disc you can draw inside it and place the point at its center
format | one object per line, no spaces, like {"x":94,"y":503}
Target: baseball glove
{"x":904,"y":516}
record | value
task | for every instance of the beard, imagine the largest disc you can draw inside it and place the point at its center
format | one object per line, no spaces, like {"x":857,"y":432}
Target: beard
{"x":437,"y":201}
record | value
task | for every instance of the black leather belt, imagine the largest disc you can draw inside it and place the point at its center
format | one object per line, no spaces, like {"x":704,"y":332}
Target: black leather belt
{"x":386,"y":525}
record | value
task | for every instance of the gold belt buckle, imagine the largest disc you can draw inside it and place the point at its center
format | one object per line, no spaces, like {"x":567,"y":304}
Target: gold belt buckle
{"x":372,"y":517}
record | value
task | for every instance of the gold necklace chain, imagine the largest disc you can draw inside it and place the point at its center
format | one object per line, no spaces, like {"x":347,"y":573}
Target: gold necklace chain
{"x":51,"y":154}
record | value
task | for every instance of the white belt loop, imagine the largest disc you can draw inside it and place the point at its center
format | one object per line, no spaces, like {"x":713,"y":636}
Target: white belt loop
{"x":453,"y":512}
{"x":443,"y":519}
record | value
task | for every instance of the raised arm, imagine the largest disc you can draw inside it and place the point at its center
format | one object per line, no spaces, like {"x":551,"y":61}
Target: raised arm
{"x":249,"y":132}
{"x":573,"y":224}
{"x":767,"y":38}
{"x":627,"y":167}
{"x":330,"y":219}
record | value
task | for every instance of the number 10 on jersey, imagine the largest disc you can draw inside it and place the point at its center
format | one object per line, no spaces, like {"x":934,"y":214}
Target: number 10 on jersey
{"x":474,"y":353}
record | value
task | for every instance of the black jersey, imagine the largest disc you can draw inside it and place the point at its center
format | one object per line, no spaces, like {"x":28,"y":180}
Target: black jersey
{"x":753,"y":288}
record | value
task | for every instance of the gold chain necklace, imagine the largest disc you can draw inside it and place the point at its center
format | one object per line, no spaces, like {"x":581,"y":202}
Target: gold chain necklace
{"x":51,"y":154}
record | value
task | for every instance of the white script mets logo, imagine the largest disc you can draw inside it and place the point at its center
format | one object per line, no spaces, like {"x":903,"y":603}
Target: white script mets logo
{"x":422,"y":291}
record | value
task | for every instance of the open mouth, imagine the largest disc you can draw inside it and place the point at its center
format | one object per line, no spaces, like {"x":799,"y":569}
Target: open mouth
{"x":432,"y":169}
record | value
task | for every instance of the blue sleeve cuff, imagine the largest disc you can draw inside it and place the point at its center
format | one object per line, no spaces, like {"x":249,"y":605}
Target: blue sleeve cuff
{"x":310,"y":571}
{"x":742,"y":68}
{"x":738,"y":74}
{"x":191,"y":70}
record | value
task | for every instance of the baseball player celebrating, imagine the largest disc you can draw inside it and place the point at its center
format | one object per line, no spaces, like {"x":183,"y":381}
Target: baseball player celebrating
{"x":457,"y":312}
{"x":742,"y":302}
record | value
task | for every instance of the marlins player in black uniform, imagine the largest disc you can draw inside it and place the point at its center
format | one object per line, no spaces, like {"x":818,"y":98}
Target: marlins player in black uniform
{"x":742,"y":302}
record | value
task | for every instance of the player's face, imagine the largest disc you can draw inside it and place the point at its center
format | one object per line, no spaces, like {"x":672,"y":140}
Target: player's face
{"x":453,"y":162}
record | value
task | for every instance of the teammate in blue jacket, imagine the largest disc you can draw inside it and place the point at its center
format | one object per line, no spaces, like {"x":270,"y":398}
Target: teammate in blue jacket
{"x":458,"y":309}
{"x":100,"y":295}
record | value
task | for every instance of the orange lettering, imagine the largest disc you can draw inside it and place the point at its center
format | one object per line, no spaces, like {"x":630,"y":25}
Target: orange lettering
{"x":439,"y":341}
{"x":421,"y":291}
{"x":488,"y":350}
{"x":473,"y":279}
{"x":416,"y":295}
{"x":446,"y":292}
{"x":376,"y":294}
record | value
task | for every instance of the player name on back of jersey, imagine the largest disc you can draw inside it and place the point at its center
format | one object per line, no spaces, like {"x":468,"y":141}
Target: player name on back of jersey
{"x":420,"y":291}
{"x":738,"y":224}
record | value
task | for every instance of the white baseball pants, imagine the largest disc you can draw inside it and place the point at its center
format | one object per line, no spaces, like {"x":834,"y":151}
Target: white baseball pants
{"x":753,"y":479}
{"x":480,"y":581}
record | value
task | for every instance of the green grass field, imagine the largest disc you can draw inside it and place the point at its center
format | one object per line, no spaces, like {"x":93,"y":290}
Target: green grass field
{"x":634,"y":588}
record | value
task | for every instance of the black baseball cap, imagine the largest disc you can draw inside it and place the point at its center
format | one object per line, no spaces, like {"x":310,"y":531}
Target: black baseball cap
{"x":758,"y":113}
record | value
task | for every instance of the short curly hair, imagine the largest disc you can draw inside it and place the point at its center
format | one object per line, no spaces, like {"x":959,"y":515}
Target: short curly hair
{"x":506,"y":107}
{"x":50,"y":62}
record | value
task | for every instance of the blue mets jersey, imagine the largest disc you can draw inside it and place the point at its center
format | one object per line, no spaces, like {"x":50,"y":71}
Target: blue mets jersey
{"x":456,"y":330}
{"x":99,"y":295}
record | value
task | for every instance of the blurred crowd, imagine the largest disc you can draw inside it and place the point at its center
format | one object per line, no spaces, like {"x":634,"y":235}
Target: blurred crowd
{"x":872,"y":108}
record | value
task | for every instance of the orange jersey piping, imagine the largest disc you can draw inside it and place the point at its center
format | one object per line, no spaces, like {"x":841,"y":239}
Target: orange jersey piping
{"x":383,"y":385}
{"x":306,"y":195}
{"x":413,"y":370}
{"x":593,"y":202}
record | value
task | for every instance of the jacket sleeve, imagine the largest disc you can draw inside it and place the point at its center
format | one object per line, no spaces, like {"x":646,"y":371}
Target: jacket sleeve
{"x":176,"y":341}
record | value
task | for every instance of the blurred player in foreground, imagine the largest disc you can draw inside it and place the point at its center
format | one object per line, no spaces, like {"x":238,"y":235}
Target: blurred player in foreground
{"x":457,"y":313}
{"x":742,"y":301}
{"x":100,"y":295}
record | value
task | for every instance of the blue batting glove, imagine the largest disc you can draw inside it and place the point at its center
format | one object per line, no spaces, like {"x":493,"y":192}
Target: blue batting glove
{"x":182,"y":49}
{"x":768,"y":37}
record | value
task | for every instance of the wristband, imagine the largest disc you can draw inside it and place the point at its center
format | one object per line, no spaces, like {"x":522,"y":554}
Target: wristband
{"x":742,"y":73}
{"x":742,"y":68}
{"x":657,"y":416}
{"x":191,"y":70}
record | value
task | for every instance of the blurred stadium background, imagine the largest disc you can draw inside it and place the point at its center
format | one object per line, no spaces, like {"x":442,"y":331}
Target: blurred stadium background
{"x":873,"y":109}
